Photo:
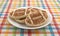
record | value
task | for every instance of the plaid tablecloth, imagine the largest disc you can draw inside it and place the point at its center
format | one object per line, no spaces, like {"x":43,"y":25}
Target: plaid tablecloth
{"x":53,"y":6}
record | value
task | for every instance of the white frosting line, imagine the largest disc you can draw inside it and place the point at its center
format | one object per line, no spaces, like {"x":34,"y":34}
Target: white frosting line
{"x":42,"y":15}
{"x":30,"y":19}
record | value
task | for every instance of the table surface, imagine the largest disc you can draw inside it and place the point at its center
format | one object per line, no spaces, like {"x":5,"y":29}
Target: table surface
{"x":53,"y":6}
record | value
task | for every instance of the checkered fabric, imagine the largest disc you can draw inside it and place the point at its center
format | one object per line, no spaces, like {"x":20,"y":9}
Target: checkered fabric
{"x":53,"y":6}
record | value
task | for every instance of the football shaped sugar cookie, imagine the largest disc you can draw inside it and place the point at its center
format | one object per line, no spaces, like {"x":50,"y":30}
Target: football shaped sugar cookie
{"x":18,"y":15}
{"x":37,"y":17}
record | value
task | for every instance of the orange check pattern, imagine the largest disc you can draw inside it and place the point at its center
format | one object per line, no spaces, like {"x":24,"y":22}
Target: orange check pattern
{"x":53,"y":6}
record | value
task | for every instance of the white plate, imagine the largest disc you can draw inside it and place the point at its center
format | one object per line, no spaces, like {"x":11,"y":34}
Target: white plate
{"x":26,"y":27}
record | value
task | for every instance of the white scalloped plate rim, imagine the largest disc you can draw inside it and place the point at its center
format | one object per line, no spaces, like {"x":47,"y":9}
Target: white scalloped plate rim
{"x":26,"y":27}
